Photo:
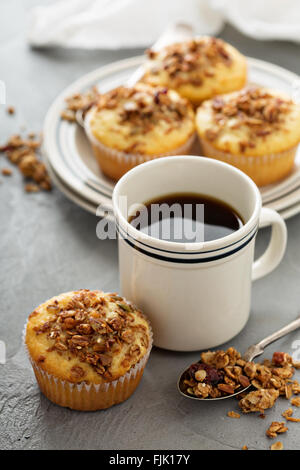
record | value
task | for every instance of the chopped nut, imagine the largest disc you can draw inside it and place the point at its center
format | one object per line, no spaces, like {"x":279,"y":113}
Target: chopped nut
{"x":31,"y":188}
{"x":296,"y":401}
{"x":277,"y":446}
{"x":77,"y":372}
{"x":287,"y":413}
{"x":200,"y":375}
{"x":233,"y":414}
{"x":226,"y":388}
{"x":6,"y":172}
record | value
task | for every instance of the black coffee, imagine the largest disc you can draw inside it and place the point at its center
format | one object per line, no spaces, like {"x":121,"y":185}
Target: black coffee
{"x":186,"y":218}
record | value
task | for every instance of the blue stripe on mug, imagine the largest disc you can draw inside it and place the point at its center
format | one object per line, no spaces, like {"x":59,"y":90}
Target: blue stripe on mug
{"x":125,"y":235}
{"x":188,"y":260}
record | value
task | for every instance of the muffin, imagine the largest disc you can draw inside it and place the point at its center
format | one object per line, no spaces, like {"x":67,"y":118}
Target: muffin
{"x":197,"y":69}
{"x":88,"y":349}
{"x":255,"y":129}
{"x":132,"y":125}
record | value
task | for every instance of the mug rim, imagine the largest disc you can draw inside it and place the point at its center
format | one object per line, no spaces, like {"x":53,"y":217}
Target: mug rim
{"x":188,"y":247}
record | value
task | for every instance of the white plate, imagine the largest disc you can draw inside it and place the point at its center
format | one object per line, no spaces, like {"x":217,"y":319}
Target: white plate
{"x":71,"y":157}
{"x":290,"y":211}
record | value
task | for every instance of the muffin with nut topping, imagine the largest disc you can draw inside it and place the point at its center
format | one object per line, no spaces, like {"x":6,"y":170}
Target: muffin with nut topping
{"x":88,"y":349}
{"x":197,"y":69}
{"x":255,"y":129}
{"x":132,"y":125}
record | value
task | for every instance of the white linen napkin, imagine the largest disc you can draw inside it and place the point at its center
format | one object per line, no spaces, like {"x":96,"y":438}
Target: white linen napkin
{"x":114,"y":24}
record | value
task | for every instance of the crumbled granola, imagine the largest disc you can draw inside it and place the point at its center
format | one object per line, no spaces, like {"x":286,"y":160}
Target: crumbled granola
{"x":10,"y":110}
{"x":254,"y":109}
{"x":276,"y":428}
{"x":190,"y":61}
{"x":221,"y":373}
{"x":143,"y":107}
{"x":23,"y":152}
{"x":258,"y":400}
{"x":6,"y":172}
{"x":83,"y":329}
{"x":233,"y":414}
{"x":296,"y":401}
{"x":277,"y":446}
{"x":80,"y":102}
{"x":287,"y":413}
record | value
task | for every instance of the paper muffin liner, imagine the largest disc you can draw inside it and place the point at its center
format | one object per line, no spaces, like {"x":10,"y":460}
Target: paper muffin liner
{"x":89,"y":397}
{"x":263,"y":169}
{"x":115,"y":163}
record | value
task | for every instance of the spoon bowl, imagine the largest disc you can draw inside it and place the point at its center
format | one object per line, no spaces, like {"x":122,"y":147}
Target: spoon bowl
{"x":253,"y":351}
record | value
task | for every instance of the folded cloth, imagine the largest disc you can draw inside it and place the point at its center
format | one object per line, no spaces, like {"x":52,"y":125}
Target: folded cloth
{"x":114,"y":24}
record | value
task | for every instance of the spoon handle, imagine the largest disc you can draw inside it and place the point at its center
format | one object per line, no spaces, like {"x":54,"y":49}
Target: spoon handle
{"x":294,"y":325}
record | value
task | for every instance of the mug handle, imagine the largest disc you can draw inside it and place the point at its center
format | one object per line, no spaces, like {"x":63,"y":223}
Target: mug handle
{"x":275,"y":251}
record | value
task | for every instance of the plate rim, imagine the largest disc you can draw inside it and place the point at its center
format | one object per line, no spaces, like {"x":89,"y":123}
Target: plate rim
{"x":80,"y":186}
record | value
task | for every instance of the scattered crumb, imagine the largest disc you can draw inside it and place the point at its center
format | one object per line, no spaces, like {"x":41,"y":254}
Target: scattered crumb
{"x":6,"y":171}
{"x":11,"y":110}
{"x":262,"y":415}
{"x":287,"y":413}
{"x":277,"y":446}
{"x":80,"y":102}
{"x":31,"y":188}
{"x":293,"y":420}
{"x":24,"y":153}
{"x":233,"y":414}
{"x":296,"y":401}
{"x":244,"y":448}
{"x":276,"y":428}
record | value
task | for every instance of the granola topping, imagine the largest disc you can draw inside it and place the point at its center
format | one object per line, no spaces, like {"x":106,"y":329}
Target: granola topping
{"x":143,"y":107}
{"x":80,"y":102}
{"x":255,"y":110}
{"x":191,"y":61}
{"x":93,"y":327}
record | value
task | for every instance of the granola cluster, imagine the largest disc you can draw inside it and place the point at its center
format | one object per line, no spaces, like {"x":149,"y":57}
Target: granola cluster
{"x":222,"y":373}
{"x":190,"y":61}
{"x":94,"y":327}
{"x":80,"y":102}
{"x":23,"y":152}
{"x":254,"y":109}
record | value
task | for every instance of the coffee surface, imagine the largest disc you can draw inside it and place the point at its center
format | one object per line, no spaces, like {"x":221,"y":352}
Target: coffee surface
{"x":186,"y":218}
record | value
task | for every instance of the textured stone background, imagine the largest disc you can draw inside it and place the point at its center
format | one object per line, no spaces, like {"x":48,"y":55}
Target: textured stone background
{"x":48,"y":246}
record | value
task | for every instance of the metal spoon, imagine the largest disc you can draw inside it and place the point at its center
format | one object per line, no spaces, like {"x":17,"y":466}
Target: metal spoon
{"x":174,"y":33}
{"x":252,"y":352}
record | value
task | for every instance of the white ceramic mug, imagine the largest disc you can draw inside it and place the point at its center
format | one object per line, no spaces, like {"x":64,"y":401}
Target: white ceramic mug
{"x":196,"y":295}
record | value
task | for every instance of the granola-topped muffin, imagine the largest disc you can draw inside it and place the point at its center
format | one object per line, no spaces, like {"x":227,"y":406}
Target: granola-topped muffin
{"x":88,"y":349}
{"x":255,"y":129}
{"x":197,"y":68}
{"x":132,"y":125}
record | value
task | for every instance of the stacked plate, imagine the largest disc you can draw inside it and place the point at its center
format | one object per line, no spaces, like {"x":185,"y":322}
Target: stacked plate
{"x":70,"y":160}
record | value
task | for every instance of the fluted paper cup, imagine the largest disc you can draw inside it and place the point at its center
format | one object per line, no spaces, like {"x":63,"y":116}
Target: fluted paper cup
{"x":115,"y":163}
{"x":264,"y":169}
{"x":87,"y":396}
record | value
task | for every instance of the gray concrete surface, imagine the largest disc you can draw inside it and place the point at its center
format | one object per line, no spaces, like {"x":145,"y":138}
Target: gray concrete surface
{"x":48,"y":246}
